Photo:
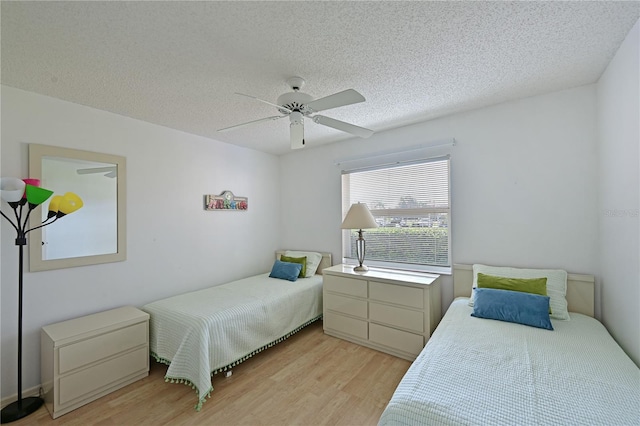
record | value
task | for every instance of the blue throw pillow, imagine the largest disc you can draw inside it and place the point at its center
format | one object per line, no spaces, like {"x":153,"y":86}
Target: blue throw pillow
{"x":285,"y":270}
{"x":512,"y":306}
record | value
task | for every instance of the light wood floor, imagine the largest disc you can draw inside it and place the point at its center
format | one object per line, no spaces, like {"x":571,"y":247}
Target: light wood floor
{"x":309,"y":379}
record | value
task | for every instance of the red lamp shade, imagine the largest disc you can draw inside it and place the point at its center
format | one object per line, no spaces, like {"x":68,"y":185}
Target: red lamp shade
{"x":29,"y":181}
{"x":32,"y":181}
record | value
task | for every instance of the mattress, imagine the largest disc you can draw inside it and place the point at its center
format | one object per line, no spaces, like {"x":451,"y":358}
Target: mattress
{"x":200,"y":333}
{"x":477,"y":371}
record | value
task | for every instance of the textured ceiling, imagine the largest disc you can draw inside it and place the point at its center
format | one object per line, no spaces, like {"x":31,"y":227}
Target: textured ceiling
{"x":178,"y":64}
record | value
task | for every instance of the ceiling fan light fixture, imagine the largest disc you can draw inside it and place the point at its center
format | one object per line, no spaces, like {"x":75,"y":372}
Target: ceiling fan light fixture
{"x":296,"y":117}
{"x":297,"y":134}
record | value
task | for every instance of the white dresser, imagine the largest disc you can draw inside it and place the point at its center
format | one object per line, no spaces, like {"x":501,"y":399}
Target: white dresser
{"x":85,"y":358}
{"x":391,"y":311}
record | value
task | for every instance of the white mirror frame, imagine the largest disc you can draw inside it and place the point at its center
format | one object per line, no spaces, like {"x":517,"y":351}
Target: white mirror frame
{"x":36,"y":154}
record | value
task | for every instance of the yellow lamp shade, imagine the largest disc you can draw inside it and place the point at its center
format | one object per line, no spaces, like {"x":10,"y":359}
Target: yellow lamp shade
{"x":54,"y":205}
{"x":70,"y":203}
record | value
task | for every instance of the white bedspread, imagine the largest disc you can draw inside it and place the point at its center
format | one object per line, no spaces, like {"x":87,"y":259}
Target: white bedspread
{"x":205,"y":331}
{"x":483,"y":372}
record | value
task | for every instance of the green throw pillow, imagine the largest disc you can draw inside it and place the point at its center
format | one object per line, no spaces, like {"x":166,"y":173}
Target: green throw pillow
{"x":525,"y":285}
{"x":303,"y":262}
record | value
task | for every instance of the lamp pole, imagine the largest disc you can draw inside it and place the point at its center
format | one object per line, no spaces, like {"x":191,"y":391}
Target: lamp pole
{"x":23,"y":406}
{"x":20,"y":274}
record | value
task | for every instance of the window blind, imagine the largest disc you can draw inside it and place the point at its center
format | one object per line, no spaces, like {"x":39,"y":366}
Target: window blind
{"x":411,"y":204}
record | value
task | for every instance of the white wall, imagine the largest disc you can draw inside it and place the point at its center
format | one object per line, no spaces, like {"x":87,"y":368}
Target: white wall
{"x":618,"y":94}
{"x":173,"y":245}
{"x":523,"y":183}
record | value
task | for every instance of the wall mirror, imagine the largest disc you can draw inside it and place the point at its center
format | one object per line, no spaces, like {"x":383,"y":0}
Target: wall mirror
{"x":94,"y":234}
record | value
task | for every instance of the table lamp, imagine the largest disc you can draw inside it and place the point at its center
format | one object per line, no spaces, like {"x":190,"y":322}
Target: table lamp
{"x":359,"y":217}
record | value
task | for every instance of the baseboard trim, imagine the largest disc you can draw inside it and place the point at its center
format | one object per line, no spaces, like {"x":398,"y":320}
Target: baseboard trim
{"x":33,"y":391}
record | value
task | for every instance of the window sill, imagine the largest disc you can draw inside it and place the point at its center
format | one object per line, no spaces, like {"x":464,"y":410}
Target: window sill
{"x":403,"y":268}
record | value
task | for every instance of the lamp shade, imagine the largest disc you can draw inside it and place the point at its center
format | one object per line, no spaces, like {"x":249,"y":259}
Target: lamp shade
{"x":11,"y":189}
{"x":359,"y":217}
{"x":296,"y":132}
{"x":37,"y":195}
{"x":32,"y":181}
{"x":29,"y":181}
{"x":70,"y":203}
{"x":54,"y":205}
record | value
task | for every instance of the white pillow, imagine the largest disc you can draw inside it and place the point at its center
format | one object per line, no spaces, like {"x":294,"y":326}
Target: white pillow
{"x":313,"y":260}
{"x":556,"y":284}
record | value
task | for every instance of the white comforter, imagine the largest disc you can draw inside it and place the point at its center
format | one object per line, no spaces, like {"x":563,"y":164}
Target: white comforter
{"x":205,"y":331}
{"x":483,"y":372}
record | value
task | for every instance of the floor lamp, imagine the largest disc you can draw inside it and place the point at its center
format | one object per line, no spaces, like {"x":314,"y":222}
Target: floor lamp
{"x":359,"y":217}
{"x":18,"y":193}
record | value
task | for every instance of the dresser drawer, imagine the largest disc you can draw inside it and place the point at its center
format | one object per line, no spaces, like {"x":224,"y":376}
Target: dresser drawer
{"x":345,"y":305}
{"x":398,"y":339}
{"x":84,"y":382}
{"x":401,"y":295}
{"x":344,"y":285}
{"x":399,"y":317}
{"x":103,"y":346}
{"x":354,"y":327}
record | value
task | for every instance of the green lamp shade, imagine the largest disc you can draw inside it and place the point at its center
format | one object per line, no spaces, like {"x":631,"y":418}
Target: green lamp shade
{"x":37,"y":195}
{"x":11,"y":189}
{"x":70,"y":203}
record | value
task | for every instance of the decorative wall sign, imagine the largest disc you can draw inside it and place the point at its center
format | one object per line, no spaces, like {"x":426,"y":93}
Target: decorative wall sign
{"x":225,"y":201}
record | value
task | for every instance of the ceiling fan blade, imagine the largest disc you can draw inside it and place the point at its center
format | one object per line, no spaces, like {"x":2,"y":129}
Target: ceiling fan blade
{"x":266,"y":102}
{"x":341,"y":125}
{"x":275,"y":117}
{"x":297,"y":135}
{"x":108,"y":170}
{"x":346,"y":97}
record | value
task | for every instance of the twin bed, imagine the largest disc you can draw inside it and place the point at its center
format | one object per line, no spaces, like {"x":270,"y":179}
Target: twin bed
{"x":201,"y":333}
{"x":485,"y":372}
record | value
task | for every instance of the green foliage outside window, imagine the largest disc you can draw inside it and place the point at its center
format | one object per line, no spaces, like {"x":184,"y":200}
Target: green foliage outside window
{"x":411,"y":245}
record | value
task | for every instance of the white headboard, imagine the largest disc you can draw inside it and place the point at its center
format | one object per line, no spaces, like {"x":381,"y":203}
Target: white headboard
{"x":580,"y":289}
{"x":324,"y":263}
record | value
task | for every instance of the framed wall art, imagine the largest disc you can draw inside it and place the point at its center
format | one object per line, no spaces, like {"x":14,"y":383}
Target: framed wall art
{"x":225,"y":201}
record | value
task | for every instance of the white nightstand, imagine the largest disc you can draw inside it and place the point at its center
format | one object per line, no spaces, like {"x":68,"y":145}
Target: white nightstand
{"x":391,"y":311}
{"x":88,"y":357}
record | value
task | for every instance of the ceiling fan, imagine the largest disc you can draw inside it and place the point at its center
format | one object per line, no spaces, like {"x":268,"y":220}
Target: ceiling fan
{"x":298,"y":105}
{"x":110,"y":171}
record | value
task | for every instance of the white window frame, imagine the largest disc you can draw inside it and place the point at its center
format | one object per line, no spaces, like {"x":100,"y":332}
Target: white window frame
{"x":416,"y":212}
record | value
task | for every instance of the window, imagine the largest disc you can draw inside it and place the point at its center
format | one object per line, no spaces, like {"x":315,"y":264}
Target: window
{"x":410,"y":203}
